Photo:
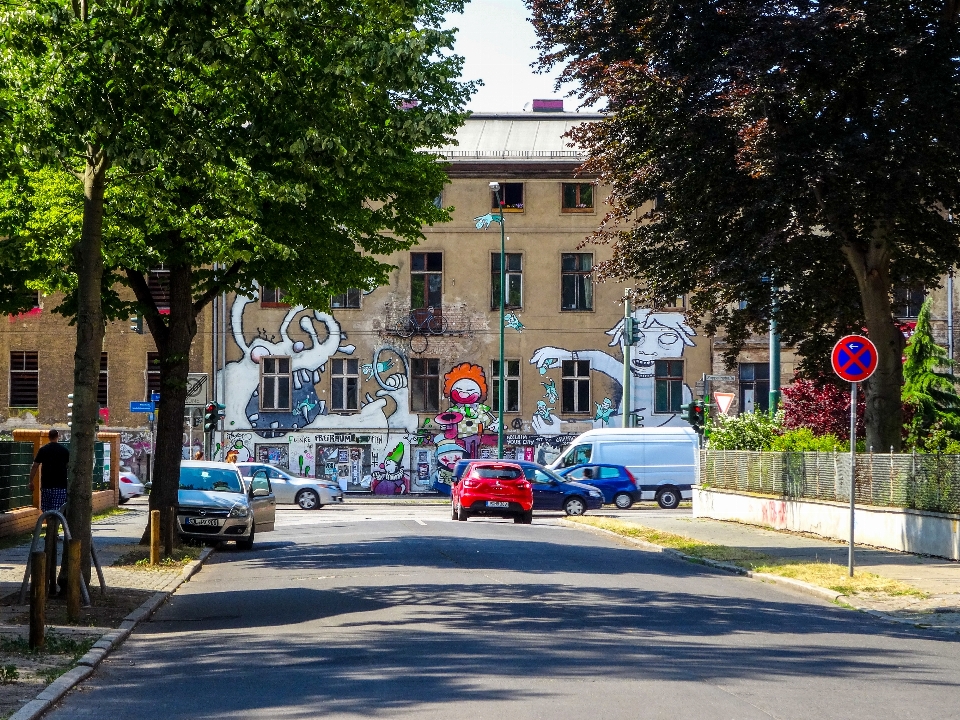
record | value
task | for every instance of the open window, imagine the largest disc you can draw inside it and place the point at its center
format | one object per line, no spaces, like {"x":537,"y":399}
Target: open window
{"x":511,"y":194}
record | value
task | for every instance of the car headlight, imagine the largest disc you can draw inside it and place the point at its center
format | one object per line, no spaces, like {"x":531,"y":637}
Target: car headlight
{"x":239,"y":511}
{"x":596,"y":493}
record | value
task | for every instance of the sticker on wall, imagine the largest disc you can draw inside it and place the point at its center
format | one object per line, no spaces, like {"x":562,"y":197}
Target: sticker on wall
{"x":511,"y":321}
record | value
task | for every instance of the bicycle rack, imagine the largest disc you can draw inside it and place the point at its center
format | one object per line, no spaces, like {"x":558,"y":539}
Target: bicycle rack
{"x":84,"y":592}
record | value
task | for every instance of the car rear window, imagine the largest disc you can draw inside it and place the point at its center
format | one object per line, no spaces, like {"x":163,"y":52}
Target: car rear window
{"x":197,"y":478}
{"x":494,"y":473}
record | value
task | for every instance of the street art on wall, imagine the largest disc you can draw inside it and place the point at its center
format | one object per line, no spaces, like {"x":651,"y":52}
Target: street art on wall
{"x":510,"y":320}
{"x":276,"y":455}
{"x":392,"y":477}
{"x":661,"y":335}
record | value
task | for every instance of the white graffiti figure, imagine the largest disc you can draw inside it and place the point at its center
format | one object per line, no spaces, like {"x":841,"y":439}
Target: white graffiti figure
{"x":660,"y":336}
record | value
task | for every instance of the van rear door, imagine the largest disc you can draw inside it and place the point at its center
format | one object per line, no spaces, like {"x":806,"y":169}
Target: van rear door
{"x":669,"y":463}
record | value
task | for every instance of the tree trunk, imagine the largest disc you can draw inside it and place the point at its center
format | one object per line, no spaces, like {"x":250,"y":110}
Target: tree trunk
{"x":86,"y":369}
{"x":174,"y":350}
{"x":884,"y":411}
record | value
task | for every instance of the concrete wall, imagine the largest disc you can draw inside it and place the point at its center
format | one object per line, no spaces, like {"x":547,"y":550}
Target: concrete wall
{"x":905,"y":530}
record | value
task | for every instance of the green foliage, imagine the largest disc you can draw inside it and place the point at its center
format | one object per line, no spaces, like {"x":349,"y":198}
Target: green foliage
{"x":931,"y":392}
{"x":803,"y":440}
{"x":9,"y":674}
{"x":748,"y":431}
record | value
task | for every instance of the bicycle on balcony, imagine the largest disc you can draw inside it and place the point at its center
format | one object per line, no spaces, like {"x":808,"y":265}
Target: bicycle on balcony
{"x":422,"y":322}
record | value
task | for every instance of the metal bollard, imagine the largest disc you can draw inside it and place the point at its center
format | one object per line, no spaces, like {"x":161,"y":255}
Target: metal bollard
{"x":154,"y":537}
{"x":73,"y":580}
{"x":38,"y":598}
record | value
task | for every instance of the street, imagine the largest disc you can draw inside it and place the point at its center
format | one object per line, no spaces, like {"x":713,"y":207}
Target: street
{"x":376,"y":610}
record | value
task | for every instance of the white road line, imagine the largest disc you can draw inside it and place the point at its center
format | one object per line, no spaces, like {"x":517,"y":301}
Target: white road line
{"x":420,"y":522}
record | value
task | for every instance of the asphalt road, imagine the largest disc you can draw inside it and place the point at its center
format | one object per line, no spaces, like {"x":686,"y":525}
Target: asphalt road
{"x":398,"y":612}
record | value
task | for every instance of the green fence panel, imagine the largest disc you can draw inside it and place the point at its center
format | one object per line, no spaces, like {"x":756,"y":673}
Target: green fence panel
{"x":15,"y":461}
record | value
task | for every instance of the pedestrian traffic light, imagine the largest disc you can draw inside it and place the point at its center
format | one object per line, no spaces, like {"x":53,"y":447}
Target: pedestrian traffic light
{"x":212,"y":414}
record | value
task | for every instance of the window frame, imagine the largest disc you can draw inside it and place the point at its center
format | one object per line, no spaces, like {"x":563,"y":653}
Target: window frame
{"x":576,"y":209}
{"x":576,"y":381}
{"x":424,"y":276}
{"x":761,"y":400}
{"x":513,"y":380}
{"x":103,"y":381}
{"x":495,"y":281}
{"x":350,"y":294}
{"x":581,"y":274}
{"x":515,"y":207}
{"x":420,"y":398}
{"x":264,"y":376}
{"x":672,"y":381}
{"x":339,"y":400}
{"x":159,"y":289}
{"x":905,"y":297}
{"x":276,"y":302}
{"x":23,"y":373}
{"x":153,"y":360}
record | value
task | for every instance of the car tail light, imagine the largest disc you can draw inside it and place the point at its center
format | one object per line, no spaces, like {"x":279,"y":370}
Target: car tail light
{"x":470,"y":483}
{"x":632,"y":479}
{"x":523,"y":485}
{"x":126,"y":480}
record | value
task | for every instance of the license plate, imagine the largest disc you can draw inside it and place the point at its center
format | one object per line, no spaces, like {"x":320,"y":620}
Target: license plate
{"x":209,"y":522}
{"x":497,"y":503}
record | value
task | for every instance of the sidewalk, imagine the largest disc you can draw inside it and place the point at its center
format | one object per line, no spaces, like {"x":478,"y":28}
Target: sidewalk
{"x":937,"y":577}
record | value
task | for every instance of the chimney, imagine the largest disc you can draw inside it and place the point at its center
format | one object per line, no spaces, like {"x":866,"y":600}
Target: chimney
{"x":548,"y":106}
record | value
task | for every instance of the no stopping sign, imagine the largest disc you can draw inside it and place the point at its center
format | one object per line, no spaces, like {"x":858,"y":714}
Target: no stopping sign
{"x":854,"y":358}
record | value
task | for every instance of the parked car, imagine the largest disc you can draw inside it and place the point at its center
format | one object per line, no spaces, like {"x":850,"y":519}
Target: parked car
{"x":308,"y":493}
{"x":130,"y":486}
{"x":550,"y":491}
{"x":663,"y":460}
{"x":213,"y":505}
{"x":618,"y":486}
{"x":492,"y":487}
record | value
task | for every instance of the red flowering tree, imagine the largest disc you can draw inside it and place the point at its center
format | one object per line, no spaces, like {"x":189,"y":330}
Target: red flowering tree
{"x":821,"y":406}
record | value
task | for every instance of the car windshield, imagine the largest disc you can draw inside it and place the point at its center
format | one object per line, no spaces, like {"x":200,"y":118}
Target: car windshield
{"x":216,"y":479}
{"x":495,"y":473}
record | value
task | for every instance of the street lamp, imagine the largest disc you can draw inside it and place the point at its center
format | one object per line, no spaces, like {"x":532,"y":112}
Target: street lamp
{"x":483,"y":222}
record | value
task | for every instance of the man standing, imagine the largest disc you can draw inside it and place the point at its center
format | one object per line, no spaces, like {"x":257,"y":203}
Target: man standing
{"x":53,"y":457}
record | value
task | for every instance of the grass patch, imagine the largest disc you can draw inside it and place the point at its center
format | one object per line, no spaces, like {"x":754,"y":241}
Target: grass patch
{"x":109,"y":512}
{"x":56,"y":644}
{"x":139,"y":558}
{"x":825,"y":575}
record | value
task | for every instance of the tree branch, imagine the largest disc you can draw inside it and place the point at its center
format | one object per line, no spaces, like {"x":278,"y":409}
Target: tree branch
{"x":214,"y":288}
{"x":142,"y":292}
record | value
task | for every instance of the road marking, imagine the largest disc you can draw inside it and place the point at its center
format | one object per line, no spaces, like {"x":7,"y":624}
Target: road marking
{"x":420,"y":522}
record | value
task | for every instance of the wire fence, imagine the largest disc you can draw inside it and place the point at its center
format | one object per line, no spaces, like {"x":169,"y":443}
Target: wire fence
{"x":16,"y":458}
{"x":919,"y":482}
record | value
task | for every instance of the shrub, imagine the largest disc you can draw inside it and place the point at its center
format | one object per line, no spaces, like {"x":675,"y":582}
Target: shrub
{"x":803,"y":440}
{"x":749,"y":431}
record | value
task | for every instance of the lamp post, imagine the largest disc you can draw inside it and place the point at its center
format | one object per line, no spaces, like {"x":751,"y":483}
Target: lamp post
{"x":483,"y":222}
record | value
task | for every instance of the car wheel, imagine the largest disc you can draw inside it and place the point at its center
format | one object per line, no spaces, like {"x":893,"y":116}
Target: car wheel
{"x":517,"y":519}
{"x":122,"y":500}
{"x":527,"y":517}
{"x":668,"y":498}
{"x":462,"y":514}
{"x":574,"y":506}
{"x":308,"y":500}
{"x":623,"y":501}
{"x":248,"y":543}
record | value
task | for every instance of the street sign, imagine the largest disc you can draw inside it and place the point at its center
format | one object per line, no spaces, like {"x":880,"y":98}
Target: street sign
{"x":141,"y":407}
{"x":197,"y":389}
{"x":854,"y":358}
{"x":720,"y":378}
{"x":724,"y":401}
{"x":155,"y":397}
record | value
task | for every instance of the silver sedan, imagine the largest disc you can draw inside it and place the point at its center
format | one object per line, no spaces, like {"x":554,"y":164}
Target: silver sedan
{"x":308,"y":493}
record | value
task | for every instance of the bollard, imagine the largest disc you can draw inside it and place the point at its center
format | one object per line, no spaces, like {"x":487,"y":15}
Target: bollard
{"x":169,"y":517}
{"x":73,"y":579}
{"x":38,"y":598}
{"x":154,"y":537}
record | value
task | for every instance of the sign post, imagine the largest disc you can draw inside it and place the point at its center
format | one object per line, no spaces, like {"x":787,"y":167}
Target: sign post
{"x":854,"y":359}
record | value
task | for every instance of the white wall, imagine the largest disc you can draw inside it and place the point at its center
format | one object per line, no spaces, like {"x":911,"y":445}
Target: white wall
{"x":898,"y":529}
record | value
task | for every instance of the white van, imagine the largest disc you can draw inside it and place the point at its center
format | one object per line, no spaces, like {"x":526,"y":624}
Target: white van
{"x":663,"y":460}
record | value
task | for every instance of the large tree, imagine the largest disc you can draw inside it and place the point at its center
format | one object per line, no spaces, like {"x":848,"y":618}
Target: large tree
{"x":801,"y":159}
{"x":291,"y":154}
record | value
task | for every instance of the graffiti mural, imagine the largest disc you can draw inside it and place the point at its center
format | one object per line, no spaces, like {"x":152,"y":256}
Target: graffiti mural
{"x":392,"y":477}
{"x":276,"y":455}
{"x":661,"y":335}
{"x":135,"y":449}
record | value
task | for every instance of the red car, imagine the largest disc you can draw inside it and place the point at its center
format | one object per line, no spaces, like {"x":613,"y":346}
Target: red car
{"x":493,"y":488}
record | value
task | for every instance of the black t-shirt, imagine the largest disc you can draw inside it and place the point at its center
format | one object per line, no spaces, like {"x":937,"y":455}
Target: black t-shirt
{"x":53,"y":458}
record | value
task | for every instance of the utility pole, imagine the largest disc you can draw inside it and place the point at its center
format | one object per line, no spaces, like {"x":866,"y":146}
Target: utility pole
{"x":627,"y":341}
{"x":774,"y":354}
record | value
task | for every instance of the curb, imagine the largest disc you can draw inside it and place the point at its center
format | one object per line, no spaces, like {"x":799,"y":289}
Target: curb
{"x":107,"y":643}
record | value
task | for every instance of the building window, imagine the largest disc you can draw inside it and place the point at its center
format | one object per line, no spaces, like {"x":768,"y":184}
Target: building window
{"x":274,"y":383}
{"x":438,"y":202}
{"x":754,"y":387}
{"x":24,"y":378}
{"x":272,"y":298}
{"x":349,"y":299}
{"x":511,"y":401}
{"x":426,"y":280}
{"x":575,"y":379}
{"x":425,"y":384}
{"x":511,"y":194}
{"x":153,"y":374}
{"x":346,"y":384}
{"x":514,"y":274}
{"x":907,"y":301}
{"x":577,"y":198}
{"x":668,"y":387}
{"x":158,"y":283}
{"x":576,"y":281}
{"x":103,"y":382}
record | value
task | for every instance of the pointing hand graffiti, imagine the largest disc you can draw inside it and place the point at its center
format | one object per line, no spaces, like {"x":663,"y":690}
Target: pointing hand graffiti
{"x":483,"y":222}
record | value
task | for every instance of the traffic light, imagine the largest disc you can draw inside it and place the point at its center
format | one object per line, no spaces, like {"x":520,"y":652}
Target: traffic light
{"x":693,"y":414}
{"x":631,"y":331}
{"x":137,"y":324}
{"x":212,"y":414}
{"x":70,"y":410}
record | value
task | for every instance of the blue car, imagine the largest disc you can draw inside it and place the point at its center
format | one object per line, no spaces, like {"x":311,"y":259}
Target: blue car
{"x":616,"y":483}
{"x":550,"y":491}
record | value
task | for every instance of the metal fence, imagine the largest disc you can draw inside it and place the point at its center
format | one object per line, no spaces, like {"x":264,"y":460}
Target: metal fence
{"x":15,"y":461}
{"x":920,"y":482}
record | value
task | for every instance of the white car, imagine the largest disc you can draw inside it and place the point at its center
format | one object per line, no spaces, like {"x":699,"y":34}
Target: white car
{"x":308,"y":493}
{"x":130,"y":486}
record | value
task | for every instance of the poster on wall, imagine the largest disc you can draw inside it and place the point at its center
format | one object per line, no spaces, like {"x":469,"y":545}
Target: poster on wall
{"x":276,"y":455}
